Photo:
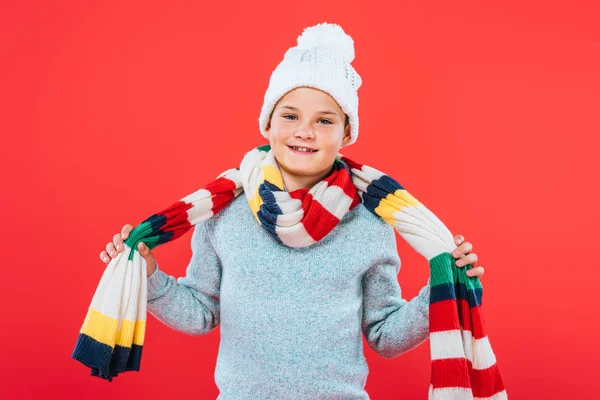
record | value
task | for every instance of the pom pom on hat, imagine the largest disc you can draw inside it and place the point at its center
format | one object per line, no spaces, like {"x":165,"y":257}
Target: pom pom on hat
{"x":326,"y":34}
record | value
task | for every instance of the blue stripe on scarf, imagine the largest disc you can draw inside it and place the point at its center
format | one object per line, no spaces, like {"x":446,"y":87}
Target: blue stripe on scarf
{"x":156,"y":221}
{"x":164,"y":237}
{"x":446,"y":291}
{"x":339,"y":165}
{"x":377,"y":190}
{"x":124,"y":359}
{"x":269,"y":211}
{"x":103,"y":361}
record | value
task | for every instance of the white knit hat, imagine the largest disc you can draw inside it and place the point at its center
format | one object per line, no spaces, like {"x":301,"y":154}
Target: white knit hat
{"x":320,"y":60}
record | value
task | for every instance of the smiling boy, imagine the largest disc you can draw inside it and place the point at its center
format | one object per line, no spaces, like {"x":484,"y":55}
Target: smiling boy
{"x":292,"y":317}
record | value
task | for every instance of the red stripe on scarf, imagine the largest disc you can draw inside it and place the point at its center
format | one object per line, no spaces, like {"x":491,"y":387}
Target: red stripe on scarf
{"x":486,"y":382}
{"x":458,"y":372}
{"x":299,"y":194}
{"x":222,"y":190}
{"x":176,"y":219}
{"x":343,"y":180}
{"x":443,"y":316}
{"x":353,"y":193}
{"x":317,"y":221}
{"x":477,"y":323}
{"x":465,"y":314}
{"x":450,"y":372}
{"x":352,"y":164}
{"x":471,"y":319}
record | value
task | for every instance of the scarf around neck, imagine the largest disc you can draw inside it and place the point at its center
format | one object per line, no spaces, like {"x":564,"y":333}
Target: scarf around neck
{"x":463,"y":365}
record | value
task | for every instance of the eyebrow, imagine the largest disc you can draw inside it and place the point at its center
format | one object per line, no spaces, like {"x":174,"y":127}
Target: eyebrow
{"x":318,"y":112}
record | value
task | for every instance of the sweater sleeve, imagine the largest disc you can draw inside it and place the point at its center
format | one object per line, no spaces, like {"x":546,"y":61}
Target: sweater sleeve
{"x":391,"y":324}
{"x":189,"y":304}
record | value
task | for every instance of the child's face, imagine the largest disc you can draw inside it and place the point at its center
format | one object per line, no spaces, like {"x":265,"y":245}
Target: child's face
{"x":305,"y":125}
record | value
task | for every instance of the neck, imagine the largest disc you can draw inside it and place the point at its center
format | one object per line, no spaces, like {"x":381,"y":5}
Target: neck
{"x":295,"y":182}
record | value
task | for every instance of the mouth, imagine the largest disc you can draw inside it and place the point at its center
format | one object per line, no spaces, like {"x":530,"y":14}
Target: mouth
{"x":302,"y":150}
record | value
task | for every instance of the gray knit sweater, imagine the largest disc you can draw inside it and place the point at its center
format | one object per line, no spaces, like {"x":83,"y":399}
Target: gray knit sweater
{"x":291,"y":319}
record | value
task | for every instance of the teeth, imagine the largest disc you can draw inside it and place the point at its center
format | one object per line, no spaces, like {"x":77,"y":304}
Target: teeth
{"x":304,"y":149}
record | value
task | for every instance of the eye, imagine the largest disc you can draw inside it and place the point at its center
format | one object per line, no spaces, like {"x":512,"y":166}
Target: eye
{"x":293,"y":117}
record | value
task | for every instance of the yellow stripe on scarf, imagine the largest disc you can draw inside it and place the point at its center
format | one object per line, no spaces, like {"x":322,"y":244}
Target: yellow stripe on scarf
{"x":273,"y":176}
{"x":102,"y":328}
{"x":394,"y":202}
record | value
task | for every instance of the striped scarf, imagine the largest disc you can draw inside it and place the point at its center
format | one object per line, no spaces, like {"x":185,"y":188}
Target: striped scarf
{"x":463,"y":364}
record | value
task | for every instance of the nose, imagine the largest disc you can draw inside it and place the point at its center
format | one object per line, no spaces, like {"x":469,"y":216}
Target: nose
{"x":304,"y":131}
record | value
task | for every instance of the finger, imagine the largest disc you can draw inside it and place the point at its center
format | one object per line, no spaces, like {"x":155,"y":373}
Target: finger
{"x":104,"y":257}
{"x":458,"y":239}
{"x":460,"y":250}
{"x":146,"y":253}
{"x":476,"y":271}
{"x":125,"y":231}
{"x":110,"y":249}
{"x":469,"y":259}
{"x":118,"y":241}
{"x":464,"y":248}
{"x":144,"y":250}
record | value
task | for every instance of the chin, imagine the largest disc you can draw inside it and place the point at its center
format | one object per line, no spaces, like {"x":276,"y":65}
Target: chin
{"x":293,"y":166}
{"x":299,"y":171}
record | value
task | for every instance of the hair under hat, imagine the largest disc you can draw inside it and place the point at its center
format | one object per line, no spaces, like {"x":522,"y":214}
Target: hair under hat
{"x":320,"y":60}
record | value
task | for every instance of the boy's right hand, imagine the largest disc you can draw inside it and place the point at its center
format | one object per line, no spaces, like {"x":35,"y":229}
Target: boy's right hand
{"x":116,"y":246}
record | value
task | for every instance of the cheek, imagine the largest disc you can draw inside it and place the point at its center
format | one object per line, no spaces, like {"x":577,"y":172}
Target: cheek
{"x":332,"y":146}
{"x":279,"y":137}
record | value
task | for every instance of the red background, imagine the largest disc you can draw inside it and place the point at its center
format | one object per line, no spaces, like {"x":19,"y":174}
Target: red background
{"x":487,"y":113}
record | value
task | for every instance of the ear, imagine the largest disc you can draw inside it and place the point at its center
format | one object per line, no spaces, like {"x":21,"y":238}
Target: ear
{"x":268,"y":130}
{"x":346,"y":139}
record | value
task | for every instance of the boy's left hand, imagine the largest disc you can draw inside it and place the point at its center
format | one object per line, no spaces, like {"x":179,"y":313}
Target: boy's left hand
{"x":463,"y":253}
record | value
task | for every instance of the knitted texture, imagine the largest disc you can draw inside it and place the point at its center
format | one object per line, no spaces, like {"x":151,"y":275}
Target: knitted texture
{"x":463,"y":363}
{"x":305,"y":313}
